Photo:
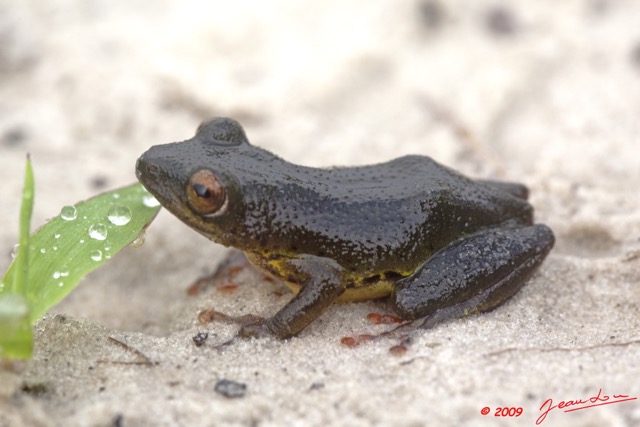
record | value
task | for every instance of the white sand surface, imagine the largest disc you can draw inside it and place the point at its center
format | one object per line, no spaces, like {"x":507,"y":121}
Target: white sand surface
{"x":546,"y":93}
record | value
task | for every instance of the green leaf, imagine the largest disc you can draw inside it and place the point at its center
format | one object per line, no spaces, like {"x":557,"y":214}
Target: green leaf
{"x":77,"y":241}
{"x":16,"y":339}
{"x":26,"y":209}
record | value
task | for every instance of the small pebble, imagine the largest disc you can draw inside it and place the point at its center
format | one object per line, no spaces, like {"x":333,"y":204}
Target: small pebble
{"x":230,"y":389}
{"x":200,"y":338}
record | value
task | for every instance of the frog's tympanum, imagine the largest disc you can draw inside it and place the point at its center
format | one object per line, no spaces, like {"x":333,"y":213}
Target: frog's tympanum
{"x":439,"y":244}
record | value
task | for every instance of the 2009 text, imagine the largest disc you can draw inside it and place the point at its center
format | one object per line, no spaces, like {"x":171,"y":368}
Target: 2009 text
{"x":503,"y":411}
{"x":508,"y":412}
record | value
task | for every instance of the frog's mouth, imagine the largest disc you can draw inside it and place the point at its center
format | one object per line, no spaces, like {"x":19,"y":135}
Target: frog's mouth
{"x":153,"y":173}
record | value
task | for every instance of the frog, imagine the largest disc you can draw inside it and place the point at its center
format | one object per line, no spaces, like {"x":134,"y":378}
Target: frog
{"x":438,"y":244}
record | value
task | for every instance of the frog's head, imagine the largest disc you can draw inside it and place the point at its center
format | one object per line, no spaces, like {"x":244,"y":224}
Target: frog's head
{"x":201,"y":180}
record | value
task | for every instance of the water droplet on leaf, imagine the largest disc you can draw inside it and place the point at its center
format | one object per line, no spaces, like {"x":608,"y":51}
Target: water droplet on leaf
{"x":68,"y":213}
{"x":98,"y":231}
{"x":119,"y":215}
{"x":14,"y":251}
{"x":139,"y":241}
{"x":96,"y":255}
{"x":149,"y":201}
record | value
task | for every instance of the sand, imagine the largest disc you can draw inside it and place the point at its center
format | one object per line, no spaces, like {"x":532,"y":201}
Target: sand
{"x":539,"y":92}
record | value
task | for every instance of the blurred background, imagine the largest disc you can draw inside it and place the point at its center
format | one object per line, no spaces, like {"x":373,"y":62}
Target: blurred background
{"x":537,"y":91}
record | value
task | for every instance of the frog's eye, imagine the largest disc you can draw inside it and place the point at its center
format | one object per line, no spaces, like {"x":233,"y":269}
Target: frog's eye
{"x":205,"y":193}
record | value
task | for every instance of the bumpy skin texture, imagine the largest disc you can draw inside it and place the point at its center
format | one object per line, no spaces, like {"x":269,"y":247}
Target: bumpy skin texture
{"x":475,"y":273}
{"x":366,"y":230}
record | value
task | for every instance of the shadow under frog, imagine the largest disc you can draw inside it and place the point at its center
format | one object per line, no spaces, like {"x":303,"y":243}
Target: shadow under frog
{"x":439,"y":244}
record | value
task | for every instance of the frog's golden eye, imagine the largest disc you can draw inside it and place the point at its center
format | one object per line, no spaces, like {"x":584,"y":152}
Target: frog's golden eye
{"x":205,"y":193}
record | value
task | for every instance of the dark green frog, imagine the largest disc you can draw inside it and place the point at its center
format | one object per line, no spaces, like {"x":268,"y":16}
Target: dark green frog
{"x":439,"y":244}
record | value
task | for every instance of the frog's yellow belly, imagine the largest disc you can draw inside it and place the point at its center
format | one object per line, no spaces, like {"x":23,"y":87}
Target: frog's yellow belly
{"x":370,"y":288}
{"x":367,"y":292}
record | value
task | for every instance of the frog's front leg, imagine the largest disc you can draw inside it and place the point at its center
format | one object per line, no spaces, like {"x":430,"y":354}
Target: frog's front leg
{"x":321,"y":283}
{"x":473,"y":274}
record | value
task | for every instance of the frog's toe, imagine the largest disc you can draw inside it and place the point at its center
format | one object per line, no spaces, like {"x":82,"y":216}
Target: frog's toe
{"x":255,"y":329}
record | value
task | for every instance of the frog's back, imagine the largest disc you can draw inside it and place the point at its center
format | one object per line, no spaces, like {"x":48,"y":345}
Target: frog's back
{"x":377,"y":218}
{"x":401,"y":177}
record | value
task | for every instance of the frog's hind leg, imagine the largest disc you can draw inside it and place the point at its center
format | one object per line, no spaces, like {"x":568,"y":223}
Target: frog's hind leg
{"x":514,"y":188}
{"x":474,"y":274}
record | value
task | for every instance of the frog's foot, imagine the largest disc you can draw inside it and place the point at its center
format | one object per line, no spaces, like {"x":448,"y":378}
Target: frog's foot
{"x":321,"y":285}
{"x":474,"y":274}
{"x":255,"y":328}
{"x":231,"y":265}
{"x":250,"y":324}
